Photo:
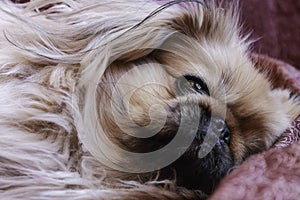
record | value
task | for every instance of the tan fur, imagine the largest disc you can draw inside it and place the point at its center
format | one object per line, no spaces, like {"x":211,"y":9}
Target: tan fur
{"x":59,"y":70}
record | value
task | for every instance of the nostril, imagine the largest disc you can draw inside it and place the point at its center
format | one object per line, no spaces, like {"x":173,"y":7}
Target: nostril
{"x":219,"y":124}
{"x":220,"y":127}
{"x":225,"y":135}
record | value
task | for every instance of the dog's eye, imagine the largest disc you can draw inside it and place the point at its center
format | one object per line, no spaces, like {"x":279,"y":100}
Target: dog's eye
{"x":190,"y":83}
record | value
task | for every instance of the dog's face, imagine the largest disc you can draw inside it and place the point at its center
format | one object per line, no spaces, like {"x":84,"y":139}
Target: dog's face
{"x":198,"y":81}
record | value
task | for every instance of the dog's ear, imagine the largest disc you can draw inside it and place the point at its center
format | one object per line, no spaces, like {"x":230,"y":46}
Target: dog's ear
{"x":196,"y":21}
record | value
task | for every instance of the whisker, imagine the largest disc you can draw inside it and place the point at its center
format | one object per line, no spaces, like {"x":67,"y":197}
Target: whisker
{"x":163,"y":7}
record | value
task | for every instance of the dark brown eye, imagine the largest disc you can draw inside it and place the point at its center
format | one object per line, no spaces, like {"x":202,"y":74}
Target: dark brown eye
{"x":189,"y":83}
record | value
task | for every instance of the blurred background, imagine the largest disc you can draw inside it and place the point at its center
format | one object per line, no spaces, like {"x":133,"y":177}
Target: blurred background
{"x":276,"y":25}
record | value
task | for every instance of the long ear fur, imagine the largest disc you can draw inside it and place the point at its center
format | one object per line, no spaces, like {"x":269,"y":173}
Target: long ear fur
{"x":67,"y":46}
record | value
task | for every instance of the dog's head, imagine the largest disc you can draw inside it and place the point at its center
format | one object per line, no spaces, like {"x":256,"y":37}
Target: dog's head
{"x":183,"y":71}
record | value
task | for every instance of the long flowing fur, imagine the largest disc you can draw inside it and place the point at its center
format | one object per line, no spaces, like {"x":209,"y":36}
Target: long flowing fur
{"x":41,"y":53}
{"x":52,"y":55}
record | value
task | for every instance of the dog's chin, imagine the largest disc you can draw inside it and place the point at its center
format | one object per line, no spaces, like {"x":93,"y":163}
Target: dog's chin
{"x":199,"y":173}
{"x":203,"y":174}
{"x":192,"y":170}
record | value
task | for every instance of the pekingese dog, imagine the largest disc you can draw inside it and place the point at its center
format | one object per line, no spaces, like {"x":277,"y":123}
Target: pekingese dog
{"x":143,"y":91}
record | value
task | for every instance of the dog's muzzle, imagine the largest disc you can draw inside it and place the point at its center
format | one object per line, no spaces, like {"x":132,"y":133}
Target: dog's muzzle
{"x":212,"y":141}
{"x":212,"y":130}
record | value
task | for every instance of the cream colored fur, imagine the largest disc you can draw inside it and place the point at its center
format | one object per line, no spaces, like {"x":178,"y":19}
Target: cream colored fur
{"x":50,"y":64}
{"x":40,"y":55}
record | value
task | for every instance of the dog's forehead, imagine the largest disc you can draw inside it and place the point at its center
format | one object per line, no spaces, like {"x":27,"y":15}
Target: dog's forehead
{"x":205,"y":61}
{"x":183,"y":54}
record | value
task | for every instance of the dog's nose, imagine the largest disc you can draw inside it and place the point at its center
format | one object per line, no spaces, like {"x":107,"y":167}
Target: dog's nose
{"x":219,"y":126}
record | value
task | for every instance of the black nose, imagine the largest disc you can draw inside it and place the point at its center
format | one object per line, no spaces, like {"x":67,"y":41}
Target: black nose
{"x":219,"y":126}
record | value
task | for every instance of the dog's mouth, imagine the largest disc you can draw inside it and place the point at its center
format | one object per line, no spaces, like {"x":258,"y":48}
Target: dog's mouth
{"x":209,"y":157}
{"x":205,"y":162}
{"x":203,"y":173}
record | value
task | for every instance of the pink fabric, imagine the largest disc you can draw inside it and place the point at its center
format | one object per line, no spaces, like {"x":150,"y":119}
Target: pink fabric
{"x":274,"y":174}
{"x":290,"y":136}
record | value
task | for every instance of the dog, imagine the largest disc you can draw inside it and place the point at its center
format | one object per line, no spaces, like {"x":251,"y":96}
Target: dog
{"x":132,"y":96}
